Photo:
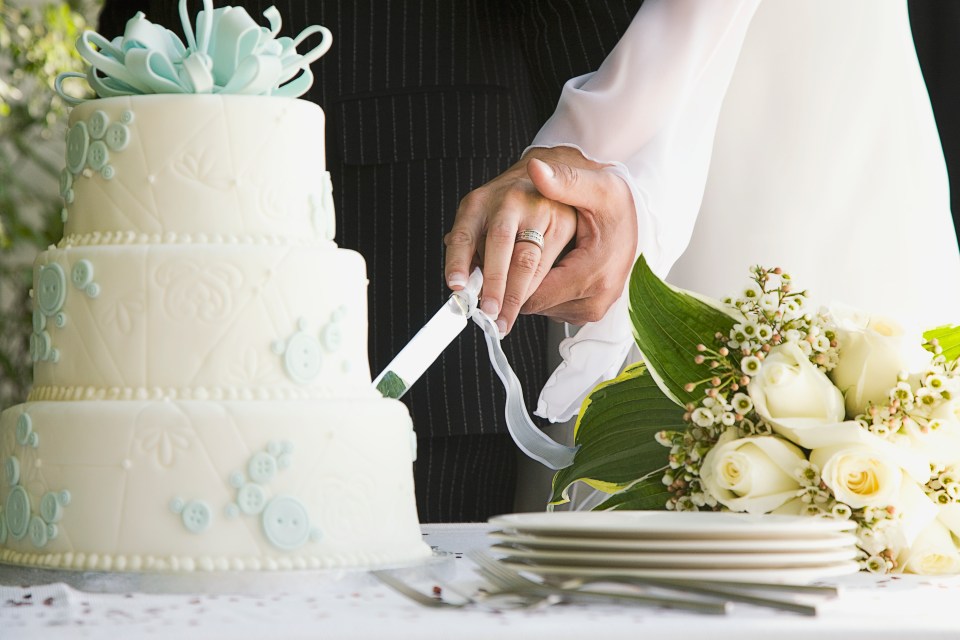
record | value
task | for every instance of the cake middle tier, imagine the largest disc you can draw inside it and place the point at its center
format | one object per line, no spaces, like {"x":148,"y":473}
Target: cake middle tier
{"x":199,"y":321}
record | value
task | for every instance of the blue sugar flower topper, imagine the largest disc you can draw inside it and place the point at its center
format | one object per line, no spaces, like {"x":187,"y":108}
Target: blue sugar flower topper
{"x":227,"y":52}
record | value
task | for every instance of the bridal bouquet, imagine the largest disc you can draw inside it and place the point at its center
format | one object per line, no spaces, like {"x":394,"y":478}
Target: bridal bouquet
{"x":760,"y":404}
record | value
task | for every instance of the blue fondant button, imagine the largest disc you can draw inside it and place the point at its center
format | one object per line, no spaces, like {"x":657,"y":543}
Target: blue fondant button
{"x":302,"y":358}
{"x":98,"y":155}
{"x":38,"y":532}
{"x":117,"y":136}
{"x":82,"y":273}
{"x":24,"y":427}
{"x":51,"y":288}
{"x":196,"y":516}
{"x":285,"y":523}
{"x":40,"y":345}
{"x":34,"y":348}
{"x":18,"y":512}
{"x":251,"y":498}
{"x":262,"y":467}
{"x":332,"y":337}
{"x":66,"y":182}
{"x":39,"y":321}
{"x":98,"y":124}
{"x":50,"y":509}
{"x":11,"y":469}
{"x":77,"y":142}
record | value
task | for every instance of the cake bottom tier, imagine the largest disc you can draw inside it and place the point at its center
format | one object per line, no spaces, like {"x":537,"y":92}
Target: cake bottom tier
{"x":208,"y":486}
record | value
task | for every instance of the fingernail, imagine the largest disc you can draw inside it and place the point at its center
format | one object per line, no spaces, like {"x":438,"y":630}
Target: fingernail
{"x":456,"y":280}
{"x":490,"y":307}
{"x":502,"y":326}
{"x":550,"y":173}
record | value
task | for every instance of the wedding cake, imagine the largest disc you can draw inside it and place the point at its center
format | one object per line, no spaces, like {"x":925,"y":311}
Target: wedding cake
{"x":202,"y":398}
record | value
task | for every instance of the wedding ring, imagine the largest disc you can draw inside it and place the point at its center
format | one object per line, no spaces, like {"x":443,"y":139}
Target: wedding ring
{"x":532,"y":236}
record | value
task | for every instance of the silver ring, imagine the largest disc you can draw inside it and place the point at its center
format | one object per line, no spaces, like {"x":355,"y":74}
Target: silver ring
{"x":532,"y":236}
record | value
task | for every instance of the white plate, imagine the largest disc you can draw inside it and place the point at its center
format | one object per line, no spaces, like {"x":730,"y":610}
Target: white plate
{"x":773,"y":545}
{"x":801,"y":575}
{"x":640,"y":560}
{"x":686,"y":525}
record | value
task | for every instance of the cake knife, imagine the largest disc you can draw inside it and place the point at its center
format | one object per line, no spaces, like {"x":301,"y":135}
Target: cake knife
{"x":425,"y":347}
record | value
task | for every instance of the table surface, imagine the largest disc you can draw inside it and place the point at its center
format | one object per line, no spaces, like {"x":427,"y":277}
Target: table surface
{"x":345,"y":605}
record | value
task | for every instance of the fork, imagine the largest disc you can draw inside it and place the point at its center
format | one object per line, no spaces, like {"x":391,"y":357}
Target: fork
{"x":419,"y":597}
{"x":510,"y":581}
{"x":729,"y":591}
{"x":726,"y":591}
{"x":506,"y":599}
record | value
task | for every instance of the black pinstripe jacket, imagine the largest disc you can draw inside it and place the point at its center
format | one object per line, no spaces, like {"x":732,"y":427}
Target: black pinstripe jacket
{"x":425,"y":100}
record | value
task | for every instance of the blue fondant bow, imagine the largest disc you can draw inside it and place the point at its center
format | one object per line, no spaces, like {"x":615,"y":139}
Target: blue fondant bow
{"x":227,"y":52}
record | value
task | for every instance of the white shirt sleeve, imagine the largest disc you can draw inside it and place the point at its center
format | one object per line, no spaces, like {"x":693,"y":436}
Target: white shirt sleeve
{"x":651,"y":111}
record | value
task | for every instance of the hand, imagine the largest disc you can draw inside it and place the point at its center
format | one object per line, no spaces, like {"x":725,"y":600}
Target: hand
{"x":485,"y":231}
{"x":547,"y":190}
{"x":590,"y":278}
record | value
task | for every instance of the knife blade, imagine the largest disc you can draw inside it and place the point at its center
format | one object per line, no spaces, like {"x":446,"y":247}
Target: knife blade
{"x":427,"y":345}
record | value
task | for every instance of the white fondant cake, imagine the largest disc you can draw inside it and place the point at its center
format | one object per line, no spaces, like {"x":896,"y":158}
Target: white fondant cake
{"x":202,"y":398}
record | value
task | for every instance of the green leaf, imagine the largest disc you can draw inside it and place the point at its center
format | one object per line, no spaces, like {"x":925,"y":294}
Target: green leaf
{"x":615,"y":431}
{"x":948,"y":337}
{"x":391,"y":385}
{"x":646,"y":495}
{"x":668,"y":324}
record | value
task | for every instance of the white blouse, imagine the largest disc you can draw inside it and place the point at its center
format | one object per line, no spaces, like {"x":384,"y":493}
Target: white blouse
{"x":792,"y":134}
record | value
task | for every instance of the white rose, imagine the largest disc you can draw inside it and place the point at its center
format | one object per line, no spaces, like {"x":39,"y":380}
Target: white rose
{"x":933,"y":552}
{"x":791,"y":394}
{"x":871,"y":357}
{"x":754,"y":474}
{"x":859,"y":475}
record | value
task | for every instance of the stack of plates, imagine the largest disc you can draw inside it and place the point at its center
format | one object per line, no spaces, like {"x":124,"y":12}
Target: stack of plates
{"x":683,"y":545}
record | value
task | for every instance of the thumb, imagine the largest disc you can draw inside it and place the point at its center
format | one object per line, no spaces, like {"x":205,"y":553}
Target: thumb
{"x":578,"y":188}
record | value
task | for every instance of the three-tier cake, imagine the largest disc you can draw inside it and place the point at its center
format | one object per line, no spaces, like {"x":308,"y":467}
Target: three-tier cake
{"x":202,"y":398}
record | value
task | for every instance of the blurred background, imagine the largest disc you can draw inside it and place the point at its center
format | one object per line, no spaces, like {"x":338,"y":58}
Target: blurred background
{"x":36,"y":44}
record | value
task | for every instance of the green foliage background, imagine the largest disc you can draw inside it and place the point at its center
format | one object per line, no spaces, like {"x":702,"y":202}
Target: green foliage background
{"x":36,"y":43}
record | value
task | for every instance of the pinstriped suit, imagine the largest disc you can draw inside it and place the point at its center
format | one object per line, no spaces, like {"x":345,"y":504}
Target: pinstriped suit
{"x":425,"y":100}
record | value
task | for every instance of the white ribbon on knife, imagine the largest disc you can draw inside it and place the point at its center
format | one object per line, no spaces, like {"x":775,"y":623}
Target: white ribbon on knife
{"x":425,"y":347}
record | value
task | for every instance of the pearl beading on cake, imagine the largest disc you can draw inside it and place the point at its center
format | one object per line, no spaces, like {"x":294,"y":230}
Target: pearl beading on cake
{"x":120,"y":562}
{"x":132,"y":238}
{"x":61,"y":394}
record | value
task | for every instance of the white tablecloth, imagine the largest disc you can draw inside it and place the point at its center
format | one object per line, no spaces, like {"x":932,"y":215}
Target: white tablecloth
{"x":354,"y":605}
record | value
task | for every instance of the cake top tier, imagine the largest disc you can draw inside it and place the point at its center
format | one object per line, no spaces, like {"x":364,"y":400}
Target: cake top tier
{"x":226,"y":51}
{"x":178,"y":169}
{"x":219,"y":151}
